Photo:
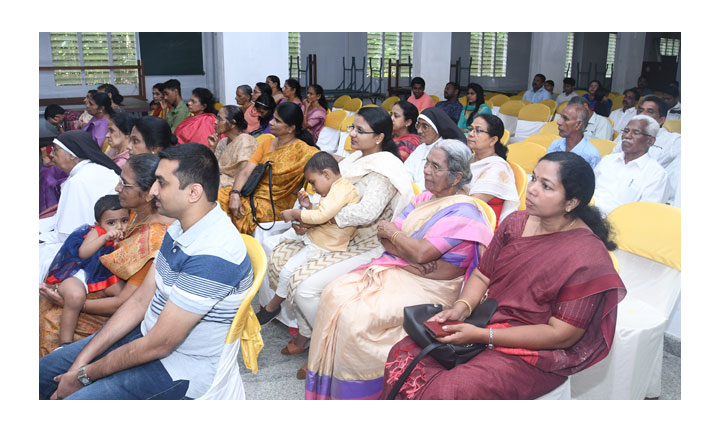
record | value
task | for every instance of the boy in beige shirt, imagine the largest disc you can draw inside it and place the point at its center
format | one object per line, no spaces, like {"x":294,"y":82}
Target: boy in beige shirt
{"x":323,"y":173}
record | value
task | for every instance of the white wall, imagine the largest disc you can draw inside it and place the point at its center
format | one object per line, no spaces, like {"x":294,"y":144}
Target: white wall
{"x":330,"y":49}
{"x":629,"y":49}
{"x":547,"y":57}
{"x":431,"y":60}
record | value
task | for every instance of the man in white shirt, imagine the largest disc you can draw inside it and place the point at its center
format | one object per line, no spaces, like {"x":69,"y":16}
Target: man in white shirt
{"x":537,"y":92}
{"x":622,"y":116}
{"x":631,"y":175}
{"x":598,"y":126}
{"x":671,"y":96}
{"x":568,"y":91}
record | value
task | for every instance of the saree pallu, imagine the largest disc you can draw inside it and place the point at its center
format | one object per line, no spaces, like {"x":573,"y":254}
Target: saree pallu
{"x":232,"y":155}
{"x":196,"y":129}
{"x":576,"y":283}
{"x":360,"y":315}
{"x":407,"y":144}
{"x":316,"y":120}
{"x":51,"y":178}
{"x":130,"y":261}
{"x":98,"y":129}
{"x":287,"y":178}
{"x":492,"y":175}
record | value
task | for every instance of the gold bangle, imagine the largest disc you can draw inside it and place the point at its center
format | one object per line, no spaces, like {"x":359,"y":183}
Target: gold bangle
{"x":394,"y":236}
{"x":466,"y":304}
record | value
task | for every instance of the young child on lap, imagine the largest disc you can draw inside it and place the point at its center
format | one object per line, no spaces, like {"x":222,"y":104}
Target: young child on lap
{"x":76,"y":269}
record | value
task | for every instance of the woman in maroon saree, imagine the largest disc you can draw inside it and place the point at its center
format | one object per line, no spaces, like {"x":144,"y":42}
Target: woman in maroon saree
{"x":557,"y":292}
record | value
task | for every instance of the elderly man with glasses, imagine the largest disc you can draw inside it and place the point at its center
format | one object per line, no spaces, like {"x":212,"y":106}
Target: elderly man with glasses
{"x":631,"y":175}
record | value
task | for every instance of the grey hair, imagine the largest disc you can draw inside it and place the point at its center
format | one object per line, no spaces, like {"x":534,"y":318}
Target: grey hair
{"x":459,"y":157}
{"x":245,"y":89}
{"x":585,"y":114}
{"x":652,"y":127}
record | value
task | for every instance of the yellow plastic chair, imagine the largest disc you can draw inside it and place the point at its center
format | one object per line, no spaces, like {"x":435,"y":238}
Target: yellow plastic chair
{"x":561,"y":107}
{"x":388,"y":103}
{"x":580,"y":92}
{"x":416,"y":189}
{"x":243,"y":336}
{"x":526,"y":154}
{"x":616,"y":101}
{"x":672,"y":126}
{"x":534,"y":112}
{"x":353,"y":105}
{"x":335,"y":119}
{"x":511,"y":107}
{"x":347,"y":146}
{"x":543,"y":139}
{"x":463,"y":100}
{"x":516,"y":97}
{"x":490,"y":95}
{"x":550,"y":104}
{"x":347,"y":121}
{"x":435,"y":99}
{"x":489,"y":103}
{"x":525,"y":102}
{"x":521,"y":182}
{"x":550,"y":128}
{"x":605,"y":147}
{"x":615,"y":134}
{"x":264,"y":137}
{"x":218,"y":105}
{"x":490,"y":216}
{"x":505,"y":138}
{"x":499,"y":99}
{"x":370,"y":105}
{"x":340,"y":102}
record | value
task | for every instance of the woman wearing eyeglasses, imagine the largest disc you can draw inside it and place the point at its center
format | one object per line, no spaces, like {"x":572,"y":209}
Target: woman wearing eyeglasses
{"x":236,"y":147}
{"x":428,"y":249}
{"x":493,"y":180}
{"x":130,"y":260}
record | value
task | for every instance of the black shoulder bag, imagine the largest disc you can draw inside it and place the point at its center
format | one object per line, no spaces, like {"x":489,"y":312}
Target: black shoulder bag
{"x":248,"y":190}
{"x":448,"y":355}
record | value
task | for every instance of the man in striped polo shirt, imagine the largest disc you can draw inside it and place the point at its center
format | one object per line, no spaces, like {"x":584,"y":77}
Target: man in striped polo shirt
{"x":165,"y":341}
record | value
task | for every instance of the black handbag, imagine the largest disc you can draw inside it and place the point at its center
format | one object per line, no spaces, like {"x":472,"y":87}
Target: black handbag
{"x":248,"y":190}
{"x":448,"y":355}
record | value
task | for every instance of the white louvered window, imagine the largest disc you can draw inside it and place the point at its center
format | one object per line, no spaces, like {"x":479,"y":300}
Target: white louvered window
{"x":670,"y":47}
{"x":382,"y":46}
{"x":489,"y":53}
{"x":610,"y":59}
{"x":94,"y":49}
{"x":569,"y":54}
{"x":294,"y":53}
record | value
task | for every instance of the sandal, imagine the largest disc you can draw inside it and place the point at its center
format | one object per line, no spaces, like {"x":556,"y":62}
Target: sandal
{"x":292,"y":349}
{"x":302,"y":372}
{"x":264,"y":316}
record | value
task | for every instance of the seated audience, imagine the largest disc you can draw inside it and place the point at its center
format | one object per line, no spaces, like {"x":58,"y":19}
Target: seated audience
{"x":292,"y":91}
{"x":129,"y":262}
{"x":161,"y":108}
{"x":419,"y":98}
{"x":598,"y":126}
{"x":630,"y":175}
{"x":201,"y":122}
{"x":289,"y":150}
{"x":404,"y":116}
{"x":323,"y":236}
{"x":315,"y":110}
{"x":265,"y":106}
{"x":642,"y":87}
{"x":550,"y":87}
{"x":243,"y":97}
{"x":671,"y":96}
{"x":77,"y":271}
{"x":99,"y":107}
{"x":91,"y":174}
{"x":120,"y":127}
{"x":568,"y":91}
{"x":261,"y":88}
{"x":166,"y":342}
{"x":235,"y":148}
{"x":597,"y":99}
{"x":428,"y":250}
{"x":475,"y":106}
{"x":55,"y":116}
{"x":622,"y":116}
{"x":115,"y":97}
{"x":274,"y":82}
{"x":151,"y":135}
{"x":51,"y":177}
{"x":451,"y":105}
{"x":556,"y":311}
{"x":178,"y":109}
{"x":493,"y":180}
{"x":571,"y":125}
{"x":537,"y":92}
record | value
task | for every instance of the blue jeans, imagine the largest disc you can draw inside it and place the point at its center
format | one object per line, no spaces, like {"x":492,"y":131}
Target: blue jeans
{"x":146,"y":381}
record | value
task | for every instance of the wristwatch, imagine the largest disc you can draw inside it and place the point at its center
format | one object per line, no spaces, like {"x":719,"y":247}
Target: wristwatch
{"x":82,"y":376}
{"x":235,"y":191}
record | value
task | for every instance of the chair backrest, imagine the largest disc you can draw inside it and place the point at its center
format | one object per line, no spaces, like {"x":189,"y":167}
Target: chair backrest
{"x":526,"y":154}
{"x":605,"y":147}
{"x":511,"y":107}
{"x":353,"y":105}
{"x":672,"y":126}
{"x":370,"y":105}
{"x":525,"y":102}
{"x":505,"y":138}
{"x":561,"y":107}
{"x":534,"y":112}
{"x":490,"y":215}
{"x":264,"y":137}
{"x":490,"y":95}
{"x":616,"y":100}
{"x":416,"y":189}
{"x":550,"y":104}
{"x":463,"y":100}
{"x":521,"y":181}
{"x":218,"y":105}
{"x":341,"y":101}
{"x":580,"y":92}
{"x":516,"y":97}
{"x":499,"y":99}
{"x":489,"y":103}
{"x":347,"y":121}
{"x":347,"y":146}
{"x":388,"y":103}
{"x":543,"y":139}
{"x":435,"y":99}
{"x":335,"y":119}
{"x":550,"y":128}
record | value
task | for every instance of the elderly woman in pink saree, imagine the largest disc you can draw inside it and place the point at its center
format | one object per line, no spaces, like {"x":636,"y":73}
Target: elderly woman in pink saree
{"x":428,"y":247}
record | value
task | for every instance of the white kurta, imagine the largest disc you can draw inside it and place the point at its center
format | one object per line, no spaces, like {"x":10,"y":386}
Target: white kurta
{"x":598,"y":127}
{"x":621,"y":119}
{"x":673,"y":113}
{"x":618,"y":183}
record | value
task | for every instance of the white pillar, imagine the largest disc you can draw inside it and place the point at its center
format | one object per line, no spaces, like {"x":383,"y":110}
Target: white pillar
{"x":247,"y":58}
{"x":547,"y":57}
{"x":431,"y":60}
{"x":629,"y":53}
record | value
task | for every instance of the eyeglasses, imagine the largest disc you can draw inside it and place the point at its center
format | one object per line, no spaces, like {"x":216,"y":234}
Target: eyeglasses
{"x":434,"y":167}
{"x":635,"y":133}
{"x":125,"y":185}
{"x":477,"y":130}
{"x":424,"y":126}
{"x":352,"y":128}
